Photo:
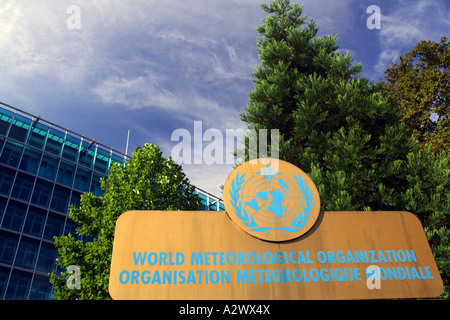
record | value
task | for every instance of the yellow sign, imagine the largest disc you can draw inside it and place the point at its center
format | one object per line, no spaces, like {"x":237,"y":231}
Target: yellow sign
{"x":203,"y":255}
{"x":271,"y":199}
{"x":271,"y":243}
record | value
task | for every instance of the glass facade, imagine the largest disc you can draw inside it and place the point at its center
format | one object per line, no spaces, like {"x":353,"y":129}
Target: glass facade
{"x":44,"y":169}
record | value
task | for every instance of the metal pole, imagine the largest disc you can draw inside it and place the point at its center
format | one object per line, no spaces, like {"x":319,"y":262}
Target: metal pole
{"x":128,"y":139}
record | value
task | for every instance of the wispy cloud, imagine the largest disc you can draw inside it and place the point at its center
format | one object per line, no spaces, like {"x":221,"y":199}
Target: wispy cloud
{"x":154,"y":66}
{"x":407,"y":24}
{"x":137,"y":93}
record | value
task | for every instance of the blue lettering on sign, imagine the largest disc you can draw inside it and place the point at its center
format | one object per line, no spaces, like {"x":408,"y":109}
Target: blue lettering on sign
{"x":174,"y":276}
{"x":297,"y":275}
{"x":258,"y":273}
{"x":161,"y":258}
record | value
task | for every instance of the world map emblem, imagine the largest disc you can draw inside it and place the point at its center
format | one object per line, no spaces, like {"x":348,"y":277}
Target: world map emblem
{"x":271,"y":199}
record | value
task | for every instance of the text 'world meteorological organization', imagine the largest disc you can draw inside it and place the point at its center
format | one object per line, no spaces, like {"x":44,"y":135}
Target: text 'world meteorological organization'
{"x":268,"y":275}
{"x":294,"y":257}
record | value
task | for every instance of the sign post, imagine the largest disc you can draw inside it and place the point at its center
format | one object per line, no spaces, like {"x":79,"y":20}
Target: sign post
{"x":271,"y":243}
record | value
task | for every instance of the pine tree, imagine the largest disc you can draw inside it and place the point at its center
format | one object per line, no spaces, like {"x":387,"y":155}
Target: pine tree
{"x":340,"y":128}
{"x":333,"y":124}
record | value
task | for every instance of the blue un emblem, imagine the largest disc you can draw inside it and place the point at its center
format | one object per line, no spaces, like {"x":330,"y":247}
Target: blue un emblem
{"x":271,"y":202}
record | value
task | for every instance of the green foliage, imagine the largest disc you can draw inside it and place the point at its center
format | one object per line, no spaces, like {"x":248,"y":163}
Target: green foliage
{"x":147,"y":181}
{"x":418,"y":84}
{"x":342,"y":129}
{"x":427,"y":195}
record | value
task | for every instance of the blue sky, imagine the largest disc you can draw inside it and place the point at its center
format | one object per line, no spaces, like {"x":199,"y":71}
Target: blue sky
{"x":152,"y":67}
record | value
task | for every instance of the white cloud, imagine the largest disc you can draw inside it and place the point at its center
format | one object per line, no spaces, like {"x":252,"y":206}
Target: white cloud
{"x":407,"y":24}
{"x":137,"y":93}
{"x":332,"y":17}
{"x":146,"y":92}
{"x":384,"y":59}
{"x":189,"y":60}
{"x":208,"y":177}
{"x":136,"y":54}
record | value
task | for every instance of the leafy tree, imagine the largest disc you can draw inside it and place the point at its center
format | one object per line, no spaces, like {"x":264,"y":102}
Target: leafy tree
{"x":341,"y":129}
{"x":147,"y":181}
{"x":419,"y":85}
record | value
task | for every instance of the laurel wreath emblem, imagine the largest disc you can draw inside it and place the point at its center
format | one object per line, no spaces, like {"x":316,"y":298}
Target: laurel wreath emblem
{"x":297,"y":223}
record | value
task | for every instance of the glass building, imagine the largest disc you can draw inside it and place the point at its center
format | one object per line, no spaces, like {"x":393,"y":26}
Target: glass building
{"x":45,"y":168}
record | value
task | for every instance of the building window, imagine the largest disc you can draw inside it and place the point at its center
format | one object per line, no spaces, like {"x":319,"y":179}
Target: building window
{"x":101,"y":161}
{"x":5,"y":121}
{"x":22,"y":187}
{"x":19,"y":284}
{"x":60,"y":199}
{"x":82,"y":179}
{"x":41,"y":193}
{"x":4,"y":275}
{"x":41,"y":288}
{"x":47,"y":258}
{"x":11,"y":153}
{"x":95,"y":187}
{"x":54,"y":142}
{"x":34,"y":224}
{"x":204,"y":201}
{"x":27,"y":253}
{"x":75,"y":199}
{"x":65,"y":173}
{"x":6,"y":180}
{"x":48,"y":167}
{"x":8,"y":245}
{"x":54,"y":226}
{"x":30,"y":160}
{"x":37,"y":136}
{"x":2,"y":207}
{"x":14,"y":216}
{"x":19,"y":129}
{"x":86,"y":157}
{"x":71,"y":147}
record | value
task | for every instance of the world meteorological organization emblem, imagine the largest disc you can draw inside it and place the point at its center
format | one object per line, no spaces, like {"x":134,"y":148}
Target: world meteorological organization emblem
{"x":271,"y":199}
